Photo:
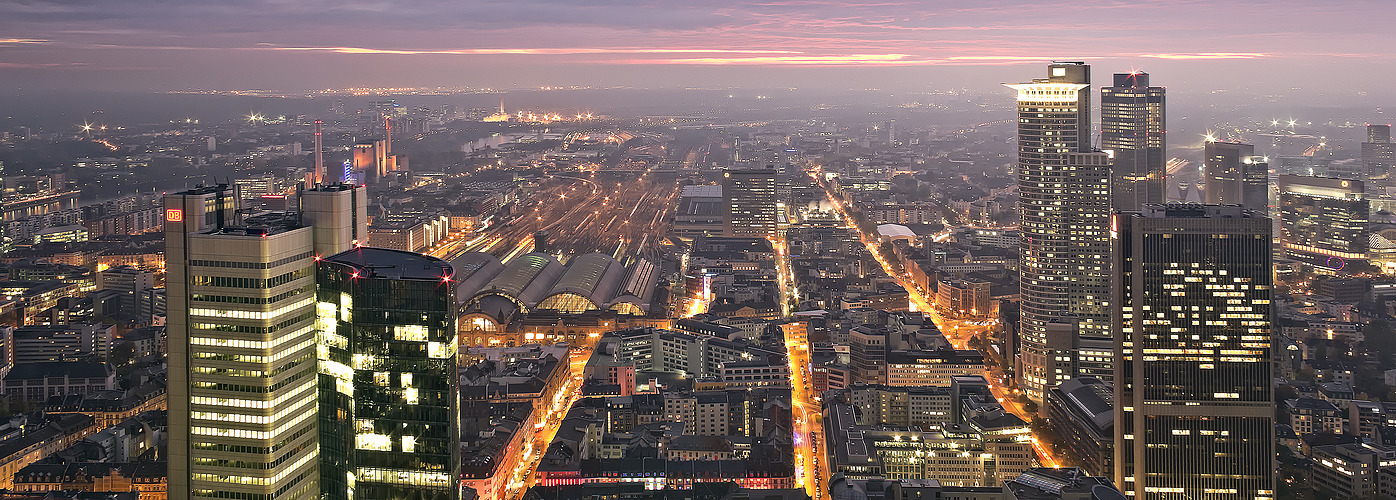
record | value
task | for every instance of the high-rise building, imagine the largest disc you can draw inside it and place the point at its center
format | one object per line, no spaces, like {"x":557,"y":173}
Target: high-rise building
{"x":749,"y":199}
{"x":1379,"y":156}
{"x":1088,"y":286}
{"x":1236,"y":176}
{"x":1323,"y":222}
{"x":1380,"y":134}
{"x":1132,"y":128}
{"x":1063,"y":208}
{"x":242,"y":353}
{"x":1194,"y":407}
{"x":388,"y":381}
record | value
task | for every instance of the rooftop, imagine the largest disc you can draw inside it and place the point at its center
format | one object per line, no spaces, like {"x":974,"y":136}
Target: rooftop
{"x":702,"y":191}
{"x":74,"y":369}
{"x":1197,"y":210}
{"x":392,"y":264}
{"x":261,"y":225}
{"x":1091,"y":398}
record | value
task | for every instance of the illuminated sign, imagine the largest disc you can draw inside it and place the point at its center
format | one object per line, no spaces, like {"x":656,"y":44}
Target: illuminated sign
{"x":174,"y":215}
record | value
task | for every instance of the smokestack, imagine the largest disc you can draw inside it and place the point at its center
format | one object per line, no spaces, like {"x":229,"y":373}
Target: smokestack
{"x":319,"y":157}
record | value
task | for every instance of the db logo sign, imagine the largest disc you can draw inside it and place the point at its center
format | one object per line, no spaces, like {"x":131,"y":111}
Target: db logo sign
{"x":174,"y":215}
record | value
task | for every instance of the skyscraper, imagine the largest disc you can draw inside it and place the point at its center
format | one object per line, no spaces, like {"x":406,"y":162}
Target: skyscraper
{"x":241,"y":333}
{"x":1063,"y":208}
{"x":1323,"y":222}
{"x":1379,"y":156}
{"x":749,"y":200}
{"x":1132,"y":127}
{"x":388,"y":387}
{"x":1236,"y":176}
{"x":1194,"y":406}
{"x":1088,"y":290}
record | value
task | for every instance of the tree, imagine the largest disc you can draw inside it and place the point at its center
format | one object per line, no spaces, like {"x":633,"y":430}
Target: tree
{"x":1029,"y":405}
{"x":123,"y":354}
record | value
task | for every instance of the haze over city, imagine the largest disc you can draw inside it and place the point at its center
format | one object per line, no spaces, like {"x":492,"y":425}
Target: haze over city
{"x":642,"y":250}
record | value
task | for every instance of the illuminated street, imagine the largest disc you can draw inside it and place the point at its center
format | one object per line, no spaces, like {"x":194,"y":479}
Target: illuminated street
{"x":958,"y":332}
{"x":521,"y":465}
{"x":810,"y":469}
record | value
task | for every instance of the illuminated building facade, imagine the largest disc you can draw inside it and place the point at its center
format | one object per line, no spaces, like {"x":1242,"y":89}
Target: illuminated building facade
{"x":1324,"y":222}
{"x":1132,"y":127}
{"x":965,"y":299}
{"x":388,"y":383}
{"x":1236,"y":176}
{"x":241,"y":352}
{"x":1063,"y":208}
{"x":1194,"y":406}
{"x":749,"y":198}
{"x":369,"y":160}
{"x":242,"y":340}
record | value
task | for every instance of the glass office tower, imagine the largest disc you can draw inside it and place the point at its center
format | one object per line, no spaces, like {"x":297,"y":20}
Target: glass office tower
{"x":1194,"y":406}
{"x":749,"y":201}
{"x":242,"y":361}
{"x":1132,"y":128}
{"x":388,"y":384}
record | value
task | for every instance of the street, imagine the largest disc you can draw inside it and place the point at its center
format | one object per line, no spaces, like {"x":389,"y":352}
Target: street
{"x":958,"y":332}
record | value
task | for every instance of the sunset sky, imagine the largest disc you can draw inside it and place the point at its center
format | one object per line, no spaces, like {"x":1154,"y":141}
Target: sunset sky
{"x":309,"y":44}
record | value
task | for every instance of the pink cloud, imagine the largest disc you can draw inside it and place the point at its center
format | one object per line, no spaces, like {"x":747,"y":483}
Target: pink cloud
{"x":13,"y":65}
{"x":1208,"y":55}
{"x":801,"y":60}
{"x":528,"y":51}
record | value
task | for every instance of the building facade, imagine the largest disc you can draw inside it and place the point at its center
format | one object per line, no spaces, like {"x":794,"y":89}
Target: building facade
{"x":1379,"y":156}
{"x":241,"y":329}
{"x":1194,"y":406}
{"x":1132,"y":127}
{"x":1236,"y":176}
{"x":388,"y":381}
{"x":749,"y":200}
{"x":1063,"y":208}
{"x":1323,"y":222}
{"x":965,"y":299}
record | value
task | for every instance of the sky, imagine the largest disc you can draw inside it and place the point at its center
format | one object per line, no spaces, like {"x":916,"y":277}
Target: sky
{"x":298,"y":45}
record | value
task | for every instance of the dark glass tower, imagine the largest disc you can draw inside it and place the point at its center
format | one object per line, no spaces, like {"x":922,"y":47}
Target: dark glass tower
{"x":1194,"y":407}
{"x":1132,"y":127}
{"x":388,"y":387}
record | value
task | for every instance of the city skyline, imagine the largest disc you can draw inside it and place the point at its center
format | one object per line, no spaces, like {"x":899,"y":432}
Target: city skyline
{"x":311,"y":45}
{"x":1005,"y":291}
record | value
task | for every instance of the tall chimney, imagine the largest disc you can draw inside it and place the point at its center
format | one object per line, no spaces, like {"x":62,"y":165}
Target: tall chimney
{"x":388,"y":142}
{"x":319,"y":157}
